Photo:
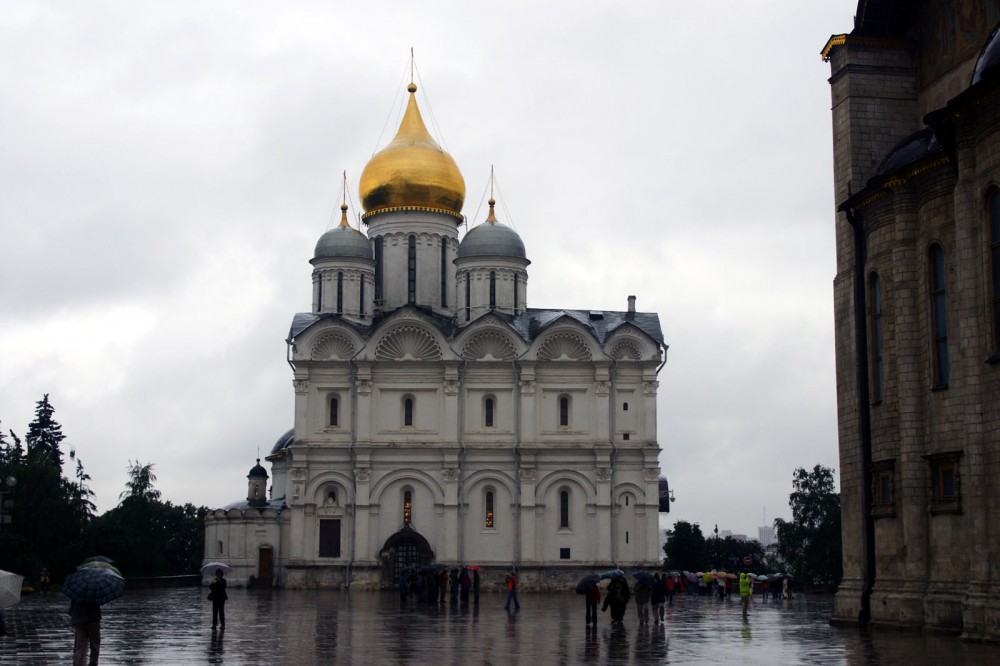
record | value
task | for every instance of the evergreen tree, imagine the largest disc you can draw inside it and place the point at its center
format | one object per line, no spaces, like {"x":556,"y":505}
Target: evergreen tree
{"x":84,"y":495}
{"x":685,"y":547}
{"x":45,"y":435}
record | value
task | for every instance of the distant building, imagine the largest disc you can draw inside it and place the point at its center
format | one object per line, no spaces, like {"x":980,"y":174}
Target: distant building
{"x":440,"y":419}
{"x":765,"y":535}
{"x":916,"y":147}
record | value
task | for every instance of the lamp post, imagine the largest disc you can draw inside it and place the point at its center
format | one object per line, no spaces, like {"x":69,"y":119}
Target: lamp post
{"x":6,"y":504}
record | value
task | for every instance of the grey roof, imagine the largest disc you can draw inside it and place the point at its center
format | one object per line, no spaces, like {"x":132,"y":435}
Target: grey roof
{"x":911,"y":149}
{"x":284,"y":441}
{"x":528,"y":325}
{"x":343,"y":242}
{"x":243,"y":505}
{"x":491,"y":240}
{"x":990,"y":56}
{"x":257,"y":470}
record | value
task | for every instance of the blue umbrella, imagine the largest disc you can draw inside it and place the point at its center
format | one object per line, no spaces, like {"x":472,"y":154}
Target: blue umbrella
{"x":98,"y":558}
{"x":644,"y":577}
{"x":93,"y":586}
{"x":587,"y":583}
{"x":614,"y":573}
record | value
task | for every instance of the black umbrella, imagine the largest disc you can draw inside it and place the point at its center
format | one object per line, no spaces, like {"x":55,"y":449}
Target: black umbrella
{"x":587,"y":583}
{"x":93,"y":586}
{"x":644,"y":577}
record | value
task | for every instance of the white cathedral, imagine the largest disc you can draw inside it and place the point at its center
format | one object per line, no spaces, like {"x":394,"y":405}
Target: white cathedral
{"x":440,"y":419}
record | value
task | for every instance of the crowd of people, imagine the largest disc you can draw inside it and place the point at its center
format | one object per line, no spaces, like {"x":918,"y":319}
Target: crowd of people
{"x":436,"y":584}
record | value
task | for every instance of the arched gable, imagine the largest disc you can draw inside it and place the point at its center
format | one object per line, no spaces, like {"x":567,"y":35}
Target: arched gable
{"x":628,"y":487}
{"x":407,"y":335}
{"x":564,"y":475}
{"x":565,"y":340}
{"x":327,"y":340}
{"x":413,"y":475}
{"x":317,"y":482}
{"x":485,"y":476}
{"x":630,"y":343}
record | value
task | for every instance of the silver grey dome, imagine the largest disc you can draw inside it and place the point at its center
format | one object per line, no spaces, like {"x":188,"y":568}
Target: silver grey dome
{"x":491,"y":239}
{"x":343,"y":242}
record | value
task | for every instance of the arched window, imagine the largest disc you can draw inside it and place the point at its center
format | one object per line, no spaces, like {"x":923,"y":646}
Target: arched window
{"x":408,"y":412}
{"x":334,"y":411}
{"x":564,"y":509}
{"x":444,"y":272}
{"x":407,"y":507}
{"x":340,"y":292}
{"x":995,"y":265}
{"x":489,"y":509}
{"x":379,"y":248}
{"x":411,"y":270}
{"x":220,"y":547}
{"x":488,"y":407}
{"x":875,"y":313}
{"x":624,"y":406}
{"x":493,"y":289}
{"x":256,"y":490}
{"x":939,"y":316}
{"x":319,"y":294}
{"x":564,"y":411}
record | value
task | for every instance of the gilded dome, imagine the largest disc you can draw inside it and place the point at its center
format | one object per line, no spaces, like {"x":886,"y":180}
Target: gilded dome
{"x":412,"y":172}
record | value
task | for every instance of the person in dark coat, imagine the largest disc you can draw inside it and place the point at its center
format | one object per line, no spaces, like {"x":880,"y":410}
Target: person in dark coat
{"x":86,"y":621}
{"x":453,"y":579}
{"x":617,"y":598}
{"x":475,"y":587}
{"x":219,"y":597}
{"x":658,"y":598}
{"x":592,"y":597}
{"x":465,"y":583}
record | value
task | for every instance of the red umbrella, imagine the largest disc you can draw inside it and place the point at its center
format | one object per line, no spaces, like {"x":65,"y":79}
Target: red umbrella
{"x":473,"y":567}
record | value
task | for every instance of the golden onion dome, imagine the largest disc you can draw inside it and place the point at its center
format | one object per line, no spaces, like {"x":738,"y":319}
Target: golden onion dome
{"x":413,"y":172}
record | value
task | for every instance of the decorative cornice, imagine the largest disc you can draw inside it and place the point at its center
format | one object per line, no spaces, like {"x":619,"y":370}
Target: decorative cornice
{"x":425,"y":209}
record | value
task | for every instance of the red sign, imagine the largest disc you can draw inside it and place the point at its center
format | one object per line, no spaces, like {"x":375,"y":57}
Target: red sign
{"x":748,"y":560}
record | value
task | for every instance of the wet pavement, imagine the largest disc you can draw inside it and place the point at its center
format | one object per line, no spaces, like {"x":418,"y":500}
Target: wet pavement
{"x":325,"y":627}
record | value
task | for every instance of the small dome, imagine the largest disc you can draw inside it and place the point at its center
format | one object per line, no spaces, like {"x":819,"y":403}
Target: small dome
{"x":257,"y":470}
{"x":990,"y":56}
{"x":412,"y":172}
{"x":915,"y":147}
{"x":491,"y":239}
{"x":343,"y":241}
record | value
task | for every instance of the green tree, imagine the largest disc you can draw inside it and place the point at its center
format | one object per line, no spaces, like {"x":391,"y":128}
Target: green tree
{"x":685,"y":548}
{"x":729,"y":552}
{"x":44,"y":437}
{"x":810,"y":543}
{"x":139,"y":487}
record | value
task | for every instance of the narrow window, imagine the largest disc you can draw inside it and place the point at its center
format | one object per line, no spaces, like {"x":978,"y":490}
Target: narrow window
{"x":946,"y":490}
{"x":564,"y":411}
{"x":939,"y":316}
{"x":408,"y":412}
{"x":319,"y":294}
{"x":340,"y":292}
{"x":626,"y":500}
{"x":493,"y":290}
{"x":331,"y":497}
{"x":626,"y":536}
{"x":516,"y":282}
{"x":885,"y":488}
{"x":488,"y":412}
{"x":468,"y":296}
{"x":444,"y":272}
{"x":995,"y":264}
{"x":334,"y":412}
{"x":411,"y":271}
{"x":489,"y":509}
{"x":564,"y":509}
{"x":624,"y":406}
{"x":878,"y":386}
{"x":256,"y":490}
{"x":407,"y":508}
{"x":220,"y":548}
{"x":378,"y":270}
{"x":361,"y":297}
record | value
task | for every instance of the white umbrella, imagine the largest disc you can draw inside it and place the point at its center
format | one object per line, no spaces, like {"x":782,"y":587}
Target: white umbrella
{"x":10,"y":588}
{"x":210,"y":568}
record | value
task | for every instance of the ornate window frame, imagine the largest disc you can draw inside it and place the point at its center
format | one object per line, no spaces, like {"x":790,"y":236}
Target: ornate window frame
{"x":884,"y":489}
{"x":945,"y":483}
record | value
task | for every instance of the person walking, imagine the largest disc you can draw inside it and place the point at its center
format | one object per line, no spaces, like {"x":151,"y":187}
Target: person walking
{"x":657,"y":598}
{"x":617,"y":598}
{"x":86,"y":621}
{"x":643,"y":593}
{"x":219,"y":597}
{"x":475,"y":587}
{"x":465,"y":584}
{"x":592,"y":597}
{"x":511,"y":580}
{"x":746,"y":589}
{"x":671,"y":586}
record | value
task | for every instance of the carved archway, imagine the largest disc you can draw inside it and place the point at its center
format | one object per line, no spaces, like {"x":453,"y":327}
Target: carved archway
{"x":404,"y":550}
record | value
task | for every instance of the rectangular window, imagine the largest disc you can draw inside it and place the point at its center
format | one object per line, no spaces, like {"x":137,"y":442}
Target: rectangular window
{"x":564,"y":509}
{"x":444,"y":272}
{"x":334,"y":412}
{"x":329,"y":538}
{"x":946,"y":486}
{"x":489,"y":510}
{"x":488,"y":408}
{"x":411,"y":271}
{"x":361,"y":297}
{"x":378,"y":270}
{"x":468,"y":296}
{"x":564,"y":553}
{"x":883,"y":487}
{"x":340,"y":292}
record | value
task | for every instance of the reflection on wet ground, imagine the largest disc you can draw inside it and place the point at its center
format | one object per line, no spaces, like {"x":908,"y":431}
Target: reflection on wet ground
{"x":299,"y":627}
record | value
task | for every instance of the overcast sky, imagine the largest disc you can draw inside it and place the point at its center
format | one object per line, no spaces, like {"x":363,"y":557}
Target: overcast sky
{"x":166,"y":169}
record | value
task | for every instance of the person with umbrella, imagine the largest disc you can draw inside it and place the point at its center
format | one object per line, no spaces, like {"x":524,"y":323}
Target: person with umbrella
{"x":219,"y":597}
{"x":593,"y":597}
{"x":86,"y":620}
{"x":95,"y":582}
{"x":617,"y":598}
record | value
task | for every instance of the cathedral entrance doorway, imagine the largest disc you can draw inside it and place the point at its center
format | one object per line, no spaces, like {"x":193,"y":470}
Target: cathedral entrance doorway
{"x":406,"y":549}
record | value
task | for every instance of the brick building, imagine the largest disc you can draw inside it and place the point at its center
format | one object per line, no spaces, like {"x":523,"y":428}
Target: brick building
{"x":916,"y":127}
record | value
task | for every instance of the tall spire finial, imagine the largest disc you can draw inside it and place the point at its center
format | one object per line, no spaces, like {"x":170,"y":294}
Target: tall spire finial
{"x":491,"y":218}
{"x":343,"y":206}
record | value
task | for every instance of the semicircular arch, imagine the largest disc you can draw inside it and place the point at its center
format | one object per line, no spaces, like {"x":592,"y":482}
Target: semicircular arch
{"x":317,"y":482}
{"x":484,"y":476}
{"x":565,"y":475}
{"x":413,"y":475}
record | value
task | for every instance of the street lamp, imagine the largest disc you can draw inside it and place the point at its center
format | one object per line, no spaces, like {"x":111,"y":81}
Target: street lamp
{"x":5,"y":504}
